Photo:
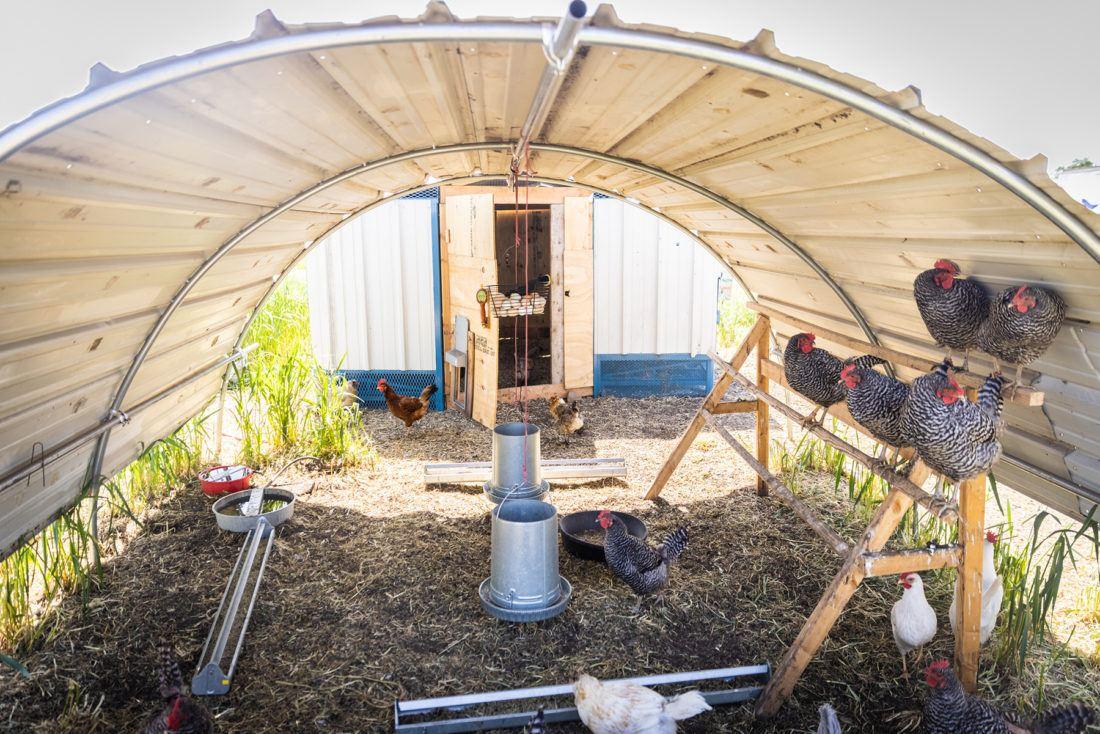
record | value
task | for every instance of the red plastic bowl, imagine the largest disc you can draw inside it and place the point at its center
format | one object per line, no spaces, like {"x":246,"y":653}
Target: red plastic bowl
{"x":216,"y":488}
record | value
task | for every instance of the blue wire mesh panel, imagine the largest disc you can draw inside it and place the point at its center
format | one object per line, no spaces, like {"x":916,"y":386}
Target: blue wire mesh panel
{"x":432,"y":193}
{"x":403,"y":382}
{"x":649,"y":375}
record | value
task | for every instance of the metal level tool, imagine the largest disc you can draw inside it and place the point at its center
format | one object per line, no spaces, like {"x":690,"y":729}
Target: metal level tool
{"x":426,"y":715}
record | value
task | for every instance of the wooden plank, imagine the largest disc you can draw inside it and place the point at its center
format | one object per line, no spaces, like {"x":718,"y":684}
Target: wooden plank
{"x":800,"y":508}
{"x":944,"y":510}
{"x":557,"y":294}
{"x":1025,"y":396}
{"x":713,"y":398}
{"x":555,"y":469}
{"x":533,"y":392}
{"x":471,"y":247}
{"x":762,"y":418}
{"x":914,"y":560}
{"x":577,"y":316}
{"x":735,"y":406}
{"x":832,"y":603}
{"x":972,"y":539}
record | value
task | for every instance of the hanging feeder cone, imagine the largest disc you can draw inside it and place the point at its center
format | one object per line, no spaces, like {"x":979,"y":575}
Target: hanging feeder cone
{"x":516,"y":448}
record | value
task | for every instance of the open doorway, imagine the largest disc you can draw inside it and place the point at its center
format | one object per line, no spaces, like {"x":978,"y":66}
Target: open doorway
{"x":525,"y":342}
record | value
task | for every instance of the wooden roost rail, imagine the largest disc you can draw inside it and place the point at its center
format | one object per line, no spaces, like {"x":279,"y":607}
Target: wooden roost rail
{"x":865,"y":557}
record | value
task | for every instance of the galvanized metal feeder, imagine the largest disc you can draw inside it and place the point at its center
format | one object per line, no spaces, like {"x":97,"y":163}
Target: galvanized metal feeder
{"x":524,"y":584}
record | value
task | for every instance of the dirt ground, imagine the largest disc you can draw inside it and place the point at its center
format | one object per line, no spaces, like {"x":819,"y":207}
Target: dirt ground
{"x":371,"y":596}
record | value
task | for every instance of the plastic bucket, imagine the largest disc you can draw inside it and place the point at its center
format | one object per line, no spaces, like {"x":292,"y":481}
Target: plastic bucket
{"x":215,"y":487}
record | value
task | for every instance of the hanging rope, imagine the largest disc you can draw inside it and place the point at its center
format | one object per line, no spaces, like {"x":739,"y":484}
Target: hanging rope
{"x":526,"y":294}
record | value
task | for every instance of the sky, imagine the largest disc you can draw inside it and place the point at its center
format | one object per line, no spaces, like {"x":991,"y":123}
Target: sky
{"x":1018,"y":72}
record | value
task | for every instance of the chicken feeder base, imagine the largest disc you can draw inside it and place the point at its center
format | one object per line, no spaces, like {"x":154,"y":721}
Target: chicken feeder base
{"x":524,"y":615}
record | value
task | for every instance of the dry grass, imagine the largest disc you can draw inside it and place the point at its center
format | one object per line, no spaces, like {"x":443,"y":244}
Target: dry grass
{"x":372,"y":595}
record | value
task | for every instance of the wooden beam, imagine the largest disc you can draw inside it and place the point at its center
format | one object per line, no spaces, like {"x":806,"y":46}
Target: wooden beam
{"x":826,"y":533}
{"x":735,"y":406}
{"x":762,"y":417}
{"x":713,"y":398}
{"x":540,"y":392}
{"x":1025,"y":396}
{"x":914,"y":560}
{"x":481,"y":471}
{"x":969,"y":608}
{"x":941,"y":508}
{"x":832,"y":603}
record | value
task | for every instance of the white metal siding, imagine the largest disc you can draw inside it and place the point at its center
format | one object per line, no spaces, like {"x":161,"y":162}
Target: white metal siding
{"x":656,"y":288}
{"x":370,"y":291}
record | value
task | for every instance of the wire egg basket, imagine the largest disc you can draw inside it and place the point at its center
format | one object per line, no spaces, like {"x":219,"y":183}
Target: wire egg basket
{"x":528,"y":299}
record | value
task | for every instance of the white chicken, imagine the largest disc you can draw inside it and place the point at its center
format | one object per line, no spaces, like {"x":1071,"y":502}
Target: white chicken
{"x":912,"y":618}
{"x":626,"y":708}
{"x":993,"y":592}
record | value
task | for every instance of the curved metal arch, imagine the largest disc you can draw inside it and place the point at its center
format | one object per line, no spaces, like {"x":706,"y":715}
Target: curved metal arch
{"x":760,"y":222}
{"x":201,"y":62}
{"x":472,"y":179}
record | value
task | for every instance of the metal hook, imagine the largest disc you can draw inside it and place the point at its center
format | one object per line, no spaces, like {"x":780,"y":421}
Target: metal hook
{"x":40,"y":449}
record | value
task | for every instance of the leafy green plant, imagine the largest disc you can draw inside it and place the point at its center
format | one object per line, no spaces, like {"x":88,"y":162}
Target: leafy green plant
{"x":734,"y":317}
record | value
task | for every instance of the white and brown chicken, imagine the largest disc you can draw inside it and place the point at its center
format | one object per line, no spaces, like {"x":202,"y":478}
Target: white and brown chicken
{"x":628,"y":708}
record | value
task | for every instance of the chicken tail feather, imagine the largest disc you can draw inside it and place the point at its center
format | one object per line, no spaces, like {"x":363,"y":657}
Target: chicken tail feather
{"x":1066,"y":720}
{"x":686,"y":705}
{"x":867,"y":361}
{"x":427,"y":392}
{"x":169,"y":676}
{"x":673,"y":545}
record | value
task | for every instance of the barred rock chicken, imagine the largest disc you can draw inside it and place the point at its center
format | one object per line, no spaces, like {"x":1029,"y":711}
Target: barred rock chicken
{"x":912,"y":618}
{"x":627,"y":708}
{"x":953,"y":308}
{"x":537,"y":724}
{"x":1023,"y":322}
{"x":181,"y":714}
{"x":993,"y":592}
{"x":406,"y":407}
{"x":950,"y":710}
{"x":827,"y":722}
{"x":815,"y":374}
{"x":567,"y":417}
{"x":876,"y":400}
{"x":954,"y":437}
{"x":644,"y":569}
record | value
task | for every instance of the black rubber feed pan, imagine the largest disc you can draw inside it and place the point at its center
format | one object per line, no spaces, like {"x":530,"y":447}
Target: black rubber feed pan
{"x":577,"y":526}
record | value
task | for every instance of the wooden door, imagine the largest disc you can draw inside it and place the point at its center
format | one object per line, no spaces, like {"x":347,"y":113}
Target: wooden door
{"x":577,"y":304}
{"x":471,"y":265}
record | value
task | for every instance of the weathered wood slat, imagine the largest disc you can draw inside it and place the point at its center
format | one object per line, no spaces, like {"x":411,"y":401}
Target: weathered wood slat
{"x":969,"y":609}
{"x":734,"y":406}
{"x":713,"y":398}
{"x":832,"y":604}
{"x":944,"y":510}
{"x":780,"y":490}
{"x":762,"y":415}
{"x":481,"y":471}
{"x":914,"y":560}
{"x":1025,"y":396}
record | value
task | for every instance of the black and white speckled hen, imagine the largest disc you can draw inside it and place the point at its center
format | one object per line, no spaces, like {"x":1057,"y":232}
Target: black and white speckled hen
{"x":950,"y":710}
{"x":644,"y":569}
{"x":955,"y":438}
{"x":815,"y":374}
{"x":876,"y":400}
{"x":1023,"y":322}
{"x":953,"y":308}
{"x":181,"y":713}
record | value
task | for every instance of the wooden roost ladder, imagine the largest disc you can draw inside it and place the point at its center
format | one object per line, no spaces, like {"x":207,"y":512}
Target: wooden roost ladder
{"x":865,"y":557}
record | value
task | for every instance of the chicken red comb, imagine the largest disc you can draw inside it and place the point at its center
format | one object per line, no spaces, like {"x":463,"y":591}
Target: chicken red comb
{"x":945,"y":264}
{"x":991,"y":536}
{"x":847,"y":370}
{"x":941,"y":664}
{"x":175,"y":717}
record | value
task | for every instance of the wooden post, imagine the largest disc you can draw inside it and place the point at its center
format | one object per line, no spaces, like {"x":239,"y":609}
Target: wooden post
{"x":832,"y":603}
{"x":714,"y":397}
{"x":969,"y":609}
{"x":762,"y":433}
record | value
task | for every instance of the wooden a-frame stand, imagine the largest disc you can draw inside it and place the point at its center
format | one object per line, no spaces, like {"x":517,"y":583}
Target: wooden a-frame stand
{"x":865,"y":557}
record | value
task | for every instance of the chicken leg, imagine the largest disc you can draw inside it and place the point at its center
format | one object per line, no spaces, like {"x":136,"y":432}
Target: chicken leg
{"x":811,"y":419}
